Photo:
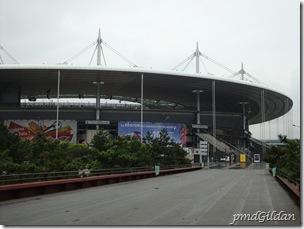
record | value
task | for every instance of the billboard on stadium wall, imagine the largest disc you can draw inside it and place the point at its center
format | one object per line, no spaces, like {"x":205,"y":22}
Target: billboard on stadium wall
{"x":176,"y":131}
{"x":27,"y":129}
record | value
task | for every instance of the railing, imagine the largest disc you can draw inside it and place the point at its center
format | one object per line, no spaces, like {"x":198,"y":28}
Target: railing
{"x":293,"y":185}
{"x":36,"y":177}
{"x":283,"y":174}
{"x":80,"y":105}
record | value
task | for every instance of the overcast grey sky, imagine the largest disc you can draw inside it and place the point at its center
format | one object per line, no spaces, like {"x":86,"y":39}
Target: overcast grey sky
{"x":159,"y":34}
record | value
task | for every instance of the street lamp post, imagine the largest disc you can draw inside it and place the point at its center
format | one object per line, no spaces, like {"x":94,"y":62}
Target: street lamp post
{"x":97,"y":83}
{"x":198,"y":117}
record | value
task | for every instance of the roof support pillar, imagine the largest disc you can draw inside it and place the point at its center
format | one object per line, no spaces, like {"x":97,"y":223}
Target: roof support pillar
{"x":142,"y":107}
{"x":213,"y":119}
{"x":245,"y":126}
{"x":198,"y":115}
{"x":57,"y":113}
{"x":98,"y":83}
{"x":263,"y":122}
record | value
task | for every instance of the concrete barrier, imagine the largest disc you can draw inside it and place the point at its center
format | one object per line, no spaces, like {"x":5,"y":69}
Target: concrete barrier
{"x":14,"y":191}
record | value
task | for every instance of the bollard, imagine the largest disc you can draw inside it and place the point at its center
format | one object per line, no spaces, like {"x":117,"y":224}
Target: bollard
{"x":267,"y":166}
{"x":274,"y":170}
{"x":156,"y":170}
{"x":202,"y":164}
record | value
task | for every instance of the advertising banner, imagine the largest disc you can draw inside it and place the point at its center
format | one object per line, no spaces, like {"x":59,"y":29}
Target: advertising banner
{"x":176,"y":131}
{"x":26,"y":129}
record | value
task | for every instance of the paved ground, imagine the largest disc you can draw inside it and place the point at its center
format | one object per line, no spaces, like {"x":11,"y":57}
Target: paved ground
{"x":205,"y":197}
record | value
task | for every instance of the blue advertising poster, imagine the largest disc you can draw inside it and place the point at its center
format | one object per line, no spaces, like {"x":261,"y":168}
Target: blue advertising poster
{"x":176,"y":131}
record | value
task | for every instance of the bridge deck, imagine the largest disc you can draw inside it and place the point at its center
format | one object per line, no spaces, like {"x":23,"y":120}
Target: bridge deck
{"x":205,"y":197}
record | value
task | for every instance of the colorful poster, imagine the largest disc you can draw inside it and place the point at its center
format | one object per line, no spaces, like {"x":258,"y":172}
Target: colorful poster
{"x":26,"y":129}
{"x":176,"y":131}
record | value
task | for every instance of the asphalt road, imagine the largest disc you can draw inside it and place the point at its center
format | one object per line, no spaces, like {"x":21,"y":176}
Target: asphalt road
{"x":205,"y":197}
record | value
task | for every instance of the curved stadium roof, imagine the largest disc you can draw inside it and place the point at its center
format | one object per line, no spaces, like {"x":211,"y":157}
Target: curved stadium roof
{"x":171,"y":86}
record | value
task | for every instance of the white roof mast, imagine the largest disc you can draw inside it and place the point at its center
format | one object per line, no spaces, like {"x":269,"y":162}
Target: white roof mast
{"x":197,"y":55}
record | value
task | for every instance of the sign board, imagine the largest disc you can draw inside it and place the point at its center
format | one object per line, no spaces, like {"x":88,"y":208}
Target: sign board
{"x":200,"y":151}
{"x":204,"y":147}
{"x":203,"y":144}
{"x":27,"y":129}
{"x":203,"y":153}
{"x":198,"y":126}
{"x":256,"y":158}
{"x":97,"y":122}
{"x":176,"y":131}
{"x":242,"y":158}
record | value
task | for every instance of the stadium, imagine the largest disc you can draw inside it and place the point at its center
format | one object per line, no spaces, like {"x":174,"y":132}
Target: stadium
{"x":212,"y":109}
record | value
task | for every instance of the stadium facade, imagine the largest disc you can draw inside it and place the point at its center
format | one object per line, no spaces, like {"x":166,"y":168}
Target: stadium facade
{"x":214,"y":109}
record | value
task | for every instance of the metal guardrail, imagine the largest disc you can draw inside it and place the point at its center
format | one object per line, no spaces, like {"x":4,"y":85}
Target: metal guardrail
{"x":296,"y":182}
{"x":36,"y":177}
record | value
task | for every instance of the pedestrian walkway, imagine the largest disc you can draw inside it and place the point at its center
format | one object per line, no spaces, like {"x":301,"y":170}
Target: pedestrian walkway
{"x":203,"y":197}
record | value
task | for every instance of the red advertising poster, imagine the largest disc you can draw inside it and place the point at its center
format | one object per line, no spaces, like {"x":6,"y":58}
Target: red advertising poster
{"x":26,"y":129}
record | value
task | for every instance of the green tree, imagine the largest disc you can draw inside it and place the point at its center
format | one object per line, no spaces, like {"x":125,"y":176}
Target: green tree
{"x":101,"y":140}
{"x":166,"y":152}
{"x":286,"y":158}
{"x":49,"y":154}
{"x":13,"y":151}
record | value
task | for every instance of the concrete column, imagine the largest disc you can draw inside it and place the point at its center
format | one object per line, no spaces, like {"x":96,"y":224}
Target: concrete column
{"x":57,"y":113}
{"x":213,"y":119}
{"x":98,"y":83}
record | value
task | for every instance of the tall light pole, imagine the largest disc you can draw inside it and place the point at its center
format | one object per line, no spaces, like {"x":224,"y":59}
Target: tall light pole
{"x":213,"y":119}
{"x":141,"y":107}
{"x":97,"y":83}
{"x":198,"y":116}
{"x":57,"y":116}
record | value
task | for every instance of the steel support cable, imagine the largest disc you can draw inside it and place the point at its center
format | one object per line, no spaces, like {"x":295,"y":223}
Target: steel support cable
{"x":204,"y":66}
{"x":246,"y":73}
{"x":188,"y":63}
{"x":119,"y":54}
{"x":258,"y":81}
{"x":1,"y":60}
{"x":93,"y":55}
{"x":184,"y":61}
{"x":217,"y":63}
{"x":235,"y":74}
{"x":8,"y":54}
{"x":79,"y":53}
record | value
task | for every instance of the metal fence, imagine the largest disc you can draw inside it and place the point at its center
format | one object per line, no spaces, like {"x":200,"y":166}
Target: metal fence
{"x":285,"y":175}
{"x":36,"y":177}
